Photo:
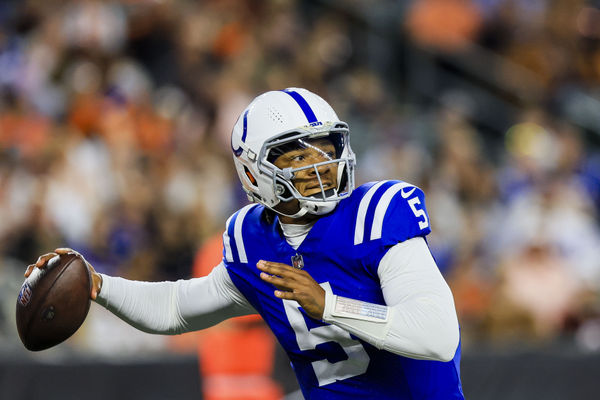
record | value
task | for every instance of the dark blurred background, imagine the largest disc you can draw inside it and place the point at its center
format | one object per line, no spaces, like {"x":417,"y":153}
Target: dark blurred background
{"x":115,"y":119}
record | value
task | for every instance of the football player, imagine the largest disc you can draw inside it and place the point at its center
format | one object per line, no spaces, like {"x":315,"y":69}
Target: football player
{"x":343,"y":276}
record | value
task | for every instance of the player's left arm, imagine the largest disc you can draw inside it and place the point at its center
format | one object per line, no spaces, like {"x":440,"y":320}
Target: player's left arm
{"x":419,"y":319}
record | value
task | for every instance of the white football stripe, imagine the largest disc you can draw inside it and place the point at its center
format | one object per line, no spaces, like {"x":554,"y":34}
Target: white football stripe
{"x":227,"y":241}
{"x":382,"y":206}
{"x":237,"y":232}
{"x":359,"y":229}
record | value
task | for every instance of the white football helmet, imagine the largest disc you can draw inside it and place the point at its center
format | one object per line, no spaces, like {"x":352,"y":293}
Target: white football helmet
{"x":276,"y":122}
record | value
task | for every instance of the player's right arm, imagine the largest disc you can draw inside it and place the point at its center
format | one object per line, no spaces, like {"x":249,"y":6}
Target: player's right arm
{"x":174,"y":307}
{"x":166,"y":307}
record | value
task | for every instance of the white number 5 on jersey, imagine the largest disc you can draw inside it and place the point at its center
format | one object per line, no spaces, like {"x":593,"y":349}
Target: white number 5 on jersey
{"x":327,"y":372}
{"x":419,"y":212}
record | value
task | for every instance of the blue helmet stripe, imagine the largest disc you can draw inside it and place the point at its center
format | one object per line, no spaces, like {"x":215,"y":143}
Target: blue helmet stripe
{"x":245,"y":132}
{"x":239,"y":150}
{"x":308,"y":112}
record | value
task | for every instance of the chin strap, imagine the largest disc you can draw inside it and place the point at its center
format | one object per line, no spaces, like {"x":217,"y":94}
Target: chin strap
{"x":301,"y":213}
{"x":311,"y":207}
{"x":318,"y":208}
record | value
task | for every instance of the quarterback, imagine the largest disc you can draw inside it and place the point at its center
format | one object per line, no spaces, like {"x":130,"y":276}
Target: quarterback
{"x":341,"y":274}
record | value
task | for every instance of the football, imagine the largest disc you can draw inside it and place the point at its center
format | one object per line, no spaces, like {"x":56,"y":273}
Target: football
{"x":53,"y":302}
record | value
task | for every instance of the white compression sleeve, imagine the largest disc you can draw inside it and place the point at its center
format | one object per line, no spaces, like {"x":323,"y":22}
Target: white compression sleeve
{"x":419,"y":320}
{"x":174,"y":307}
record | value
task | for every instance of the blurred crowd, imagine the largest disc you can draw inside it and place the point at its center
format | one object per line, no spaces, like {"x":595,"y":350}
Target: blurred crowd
{"x":115,"y":119}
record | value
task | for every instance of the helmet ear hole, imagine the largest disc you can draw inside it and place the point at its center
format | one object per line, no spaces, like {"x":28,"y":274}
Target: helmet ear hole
{"x":283,"y":191}
{"x":251,"y":177}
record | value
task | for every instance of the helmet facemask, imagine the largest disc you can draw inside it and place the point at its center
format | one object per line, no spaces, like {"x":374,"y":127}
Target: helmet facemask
{"x":330,"y":148}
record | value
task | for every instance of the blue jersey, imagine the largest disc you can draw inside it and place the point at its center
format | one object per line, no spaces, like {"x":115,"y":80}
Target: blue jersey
{"x":343,"y":250}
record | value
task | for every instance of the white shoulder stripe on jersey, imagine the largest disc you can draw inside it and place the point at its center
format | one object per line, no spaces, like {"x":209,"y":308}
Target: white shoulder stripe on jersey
{"x":237,"y":232}
{"x":382,"y":206}
{"x":361,"y":215}
{"x":227,"y":241}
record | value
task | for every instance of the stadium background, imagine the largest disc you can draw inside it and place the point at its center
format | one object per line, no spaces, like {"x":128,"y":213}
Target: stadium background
{"x":114,"y":126}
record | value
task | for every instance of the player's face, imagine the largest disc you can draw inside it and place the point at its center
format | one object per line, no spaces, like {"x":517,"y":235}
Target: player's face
{"x":313,"y":152}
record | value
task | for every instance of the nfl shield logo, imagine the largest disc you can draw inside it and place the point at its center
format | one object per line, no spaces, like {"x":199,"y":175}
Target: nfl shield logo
{"x":24,"y":294}
{"x":297,"y":261}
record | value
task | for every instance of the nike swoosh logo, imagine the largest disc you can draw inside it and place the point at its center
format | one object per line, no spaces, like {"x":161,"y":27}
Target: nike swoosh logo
{"x":406,"y":195}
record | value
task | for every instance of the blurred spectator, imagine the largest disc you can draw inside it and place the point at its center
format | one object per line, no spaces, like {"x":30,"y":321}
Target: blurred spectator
{"x":535,"y":292}
{"x":448,"y":25}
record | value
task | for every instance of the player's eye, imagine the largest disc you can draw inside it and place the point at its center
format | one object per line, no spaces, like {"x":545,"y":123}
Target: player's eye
{"x":298,"y":158}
